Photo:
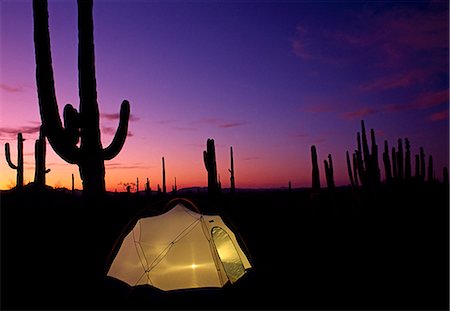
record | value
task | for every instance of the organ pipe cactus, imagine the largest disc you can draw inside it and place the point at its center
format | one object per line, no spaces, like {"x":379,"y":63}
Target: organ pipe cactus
{"x":407,"y":159}
{"x":387,"y":163}
{"x":315,"y":169}
{"x":39,"y":154}
{"x":430,"y":169}
{"x":82,"y":125}
{"x":422,"y":164}
{"x":209,"y":157}
{"x":400,"y":159}
{"x":417,"y":171}
{"x":350,"y":173}
{"x":19,"y":166}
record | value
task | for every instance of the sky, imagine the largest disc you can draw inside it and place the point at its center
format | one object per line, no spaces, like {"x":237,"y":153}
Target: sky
{"x":270,"y":78}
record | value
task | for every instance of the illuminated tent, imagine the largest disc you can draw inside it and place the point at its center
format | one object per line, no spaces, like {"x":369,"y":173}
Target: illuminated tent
{"x":180,"y":249}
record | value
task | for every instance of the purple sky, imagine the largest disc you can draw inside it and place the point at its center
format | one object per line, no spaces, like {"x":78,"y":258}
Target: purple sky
{"x":269,"y":78}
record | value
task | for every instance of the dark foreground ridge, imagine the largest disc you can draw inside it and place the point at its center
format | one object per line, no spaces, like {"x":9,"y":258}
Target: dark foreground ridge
{"x":330,"y":252}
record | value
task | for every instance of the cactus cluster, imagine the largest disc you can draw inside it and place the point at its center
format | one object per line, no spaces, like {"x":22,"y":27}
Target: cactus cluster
{"x":365,"y":162}
{"x":82,"y":125}
{"x":397,"y":164}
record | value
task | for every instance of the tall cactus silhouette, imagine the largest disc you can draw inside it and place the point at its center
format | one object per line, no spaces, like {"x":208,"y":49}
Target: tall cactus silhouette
{"x":394,"y":164}
{"x":315,"y":169}
{"x":417,"y":173}
{"x":400,"y":159}
{"x":387,"y":163}
{"x":430,"y":169}
{"x":209,"y":157}
{"x":231,"y":170}
{"x":407,"y":159}
{"x":164,"y":190}
{"x":82,"y":125}
{"x":19,"y":166}
{"x":39,"y":154}
{"x":148,"y":190}
{"x":329,"y":173}
{"x":422,"y":164}
{"x":350,"y":173}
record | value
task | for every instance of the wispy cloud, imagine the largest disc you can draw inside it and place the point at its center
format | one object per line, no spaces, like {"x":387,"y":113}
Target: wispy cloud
{"x":112,"y":166}
{"x":251,"y":158}
{"x":424,"y":101}
{"x":230,"y":124}
{"x":358,"y":114}
{"x":219,"y":123}
{"x":107,"y":130}
{"x":116,"y":116}
{"x":398,"y":80}
{"x":184,"y":128}
{"x":11,"y":88}
{"x":7,"y":133}
{"x":439,"y":116}
{"x":299,"y":135}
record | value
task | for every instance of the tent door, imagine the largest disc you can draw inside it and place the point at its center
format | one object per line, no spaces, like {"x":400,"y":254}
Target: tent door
{"x":228,"y":254}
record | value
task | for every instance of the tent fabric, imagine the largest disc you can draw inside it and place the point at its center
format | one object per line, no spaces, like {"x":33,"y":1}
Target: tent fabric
{"x":180,"y":249}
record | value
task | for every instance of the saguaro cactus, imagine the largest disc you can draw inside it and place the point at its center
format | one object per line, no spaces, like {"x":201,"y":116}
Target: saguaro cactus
{"x":329,"y":172}
{"x":209,"y":157}
{"x":148,"y":190}
{"x":39,"y":155}
{"x":315,"y":169}
{"x":19,"y":166}
{"x":82,"y":125}
{"x":137,"y":184}
{"x":231,"y":170}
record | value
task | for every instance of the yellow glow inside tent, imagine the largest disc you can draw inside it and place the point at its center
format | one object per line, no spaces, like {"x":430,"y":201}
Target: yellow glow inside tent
{"x":180,"y":249}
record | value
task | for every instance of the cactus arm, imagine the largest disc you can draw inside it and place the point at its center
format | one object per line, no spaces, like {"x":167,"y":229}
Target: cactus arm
{"x":121,"y":134}
{"x":46,"y":87}
{"x":8,"y":157}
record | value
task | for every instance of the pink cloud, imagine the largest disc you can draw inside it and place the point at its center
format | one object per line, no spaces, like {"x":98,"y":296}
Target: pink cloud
{"x":439,"y":116}
{"x":10,"y":133}
{"x":107,"y":130}
{"x":220,"y":123}
{"x":431,"y":99}
{"x":116,"y":116}
{"x":359,"y":114}
{"x":10,"y":88}
{"x":231,"y":124}
{"x":399,"y":80}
